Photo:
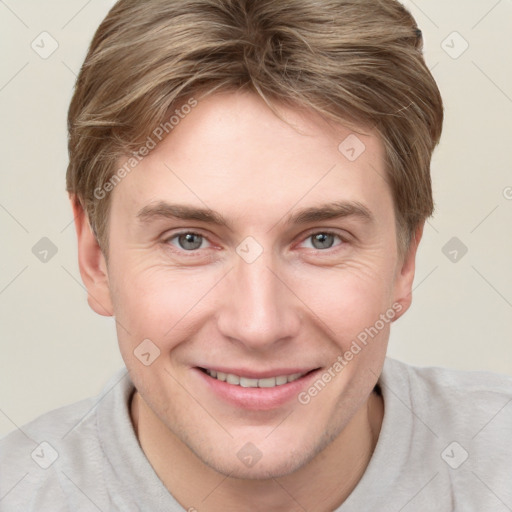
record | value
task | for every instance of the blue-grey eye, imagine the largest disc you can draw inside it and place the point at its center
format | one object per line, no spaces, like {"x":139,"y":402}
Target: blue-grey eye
{"x":190,"y":241}
{"x":322,"y":240}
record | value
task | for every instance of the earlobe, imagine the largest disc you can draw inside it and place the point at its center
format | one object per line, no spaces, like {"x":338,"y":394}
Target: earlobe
{"x":405,"y":275}
{"x":91,"y":261}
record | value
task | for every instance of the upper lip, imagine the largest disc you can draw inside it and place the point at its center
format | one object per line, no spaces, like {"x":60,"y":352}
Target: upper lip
{"x":253,"y":374}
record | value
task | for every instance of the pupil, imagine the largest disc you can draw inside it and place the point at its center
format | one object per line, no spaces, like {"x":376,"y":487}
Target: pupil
{"x":322,"y":240}
{"x":190,"y":241}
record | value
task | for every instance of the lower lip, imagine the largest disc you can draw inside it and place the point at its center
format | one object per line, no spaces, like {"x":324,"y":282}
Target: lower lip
{"x":258,"y":399}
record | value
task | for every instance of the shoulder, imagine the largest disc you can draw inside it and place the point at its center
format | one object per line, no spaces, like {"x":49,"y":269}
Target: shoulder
{"x":460,"y":426}
{"x":43,"y":461}
{"x":434,"y":387}
{"x":51,"y":427}
{"x":443,"y":444}
{"x":461,"y":401}
{"x":30,"y":455}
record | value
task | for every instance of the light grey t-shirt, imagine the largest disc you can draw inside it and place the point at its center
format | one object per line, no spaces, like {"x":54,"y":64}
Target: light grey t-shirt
{"x":445,"y":445}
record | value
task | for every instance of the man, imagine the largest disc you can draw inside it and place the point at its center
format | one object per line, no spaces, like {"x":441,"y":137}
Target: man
{"x":250,"y":182}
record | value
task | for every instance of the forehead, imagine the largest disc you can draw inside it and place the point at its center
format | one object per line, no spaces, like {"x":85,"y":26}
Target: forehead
{"x":231,"y":152}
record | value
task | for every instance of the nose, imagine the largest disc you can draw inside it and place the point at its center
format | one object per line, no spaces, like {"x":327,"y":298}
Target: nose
{"x":259,"y":308}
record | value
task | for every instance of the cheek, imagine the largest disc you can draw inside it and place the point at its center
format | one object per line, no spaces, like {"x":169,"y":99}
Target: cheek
{"x":347,"y":299}
{"x":158,"y":303}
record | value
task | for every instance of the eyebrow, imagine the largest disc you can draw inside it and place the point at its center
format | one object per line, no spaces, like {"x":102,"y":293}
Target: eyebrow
{"x":329,"y":211}
{"x":164,"y":210}
{"x":336,"y":210}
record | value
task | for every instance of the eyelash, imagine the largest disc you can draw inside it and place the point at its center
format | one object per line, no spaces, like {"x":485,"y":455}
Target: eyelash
{"x":191,"y":253}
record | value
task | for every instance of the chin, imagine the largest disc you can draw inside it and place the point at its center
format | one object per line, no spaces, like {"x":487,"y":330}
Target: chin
{"x":273,"y":467}
{"x":271,"y":460}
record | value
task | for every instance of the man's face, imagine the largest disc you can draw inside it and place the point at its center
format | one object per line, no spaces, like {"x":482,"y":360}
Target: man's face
{"x":297,"y":257}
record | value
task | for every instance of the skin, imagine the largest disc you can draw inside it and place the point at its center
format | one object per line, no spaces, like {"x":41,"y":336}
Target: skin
{"x":296,"y":305}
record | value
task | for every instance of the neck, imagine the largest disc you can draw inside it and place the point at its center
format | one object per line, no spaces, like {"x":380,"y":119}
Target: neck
{"x":322,"y":485}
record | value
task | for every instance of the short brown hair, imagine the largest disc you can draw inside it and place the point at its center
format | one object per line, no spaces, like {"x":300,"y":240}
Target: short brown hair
{"x":351,"y":61}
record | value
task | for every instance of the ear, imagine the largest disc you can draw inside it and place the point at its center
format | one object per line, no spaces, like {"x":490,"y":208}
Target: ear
{"x":93,"y":267}
{"x":405,"y":275}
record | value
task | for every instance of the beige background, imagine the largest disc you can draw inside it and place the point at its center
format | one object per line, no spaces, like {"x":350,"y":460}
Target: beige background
{"x":55,"y":350}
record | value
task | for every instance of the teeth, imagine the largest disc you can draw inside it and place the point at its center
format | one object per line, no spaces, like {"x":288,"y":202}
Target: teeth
{"x":232,"y":379}
{"x":248,"y":383}
{"x":245,"y":382}
{"x":267,"y":383}
{"x":283,"y":379}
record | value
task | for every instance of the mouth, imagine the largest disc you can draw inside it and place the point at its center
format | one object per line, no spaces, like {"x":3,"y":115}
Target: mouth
{"x":248,"y":382}
{"x":262,"y":391}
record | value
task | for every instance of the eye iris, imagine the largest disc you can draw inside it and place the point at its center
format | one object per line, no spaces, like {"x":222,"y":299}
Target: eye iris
{"x":322,"y":240}
{"x":190,"y":241}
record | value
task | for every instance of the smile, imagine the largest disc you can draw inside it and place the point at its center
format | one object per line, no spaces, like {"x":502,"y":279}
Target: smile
{"x":245,"y":382}
{"x":256,"y":390}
